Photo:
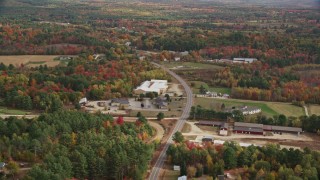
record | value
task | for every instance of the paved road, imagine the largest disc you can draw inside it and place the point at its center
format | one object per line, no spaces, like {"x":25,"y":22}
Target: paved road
{"x":185,"y":114}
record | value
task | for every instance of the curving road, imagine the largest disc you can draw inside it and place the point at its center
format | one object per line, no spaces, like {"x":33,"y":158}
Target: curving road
{"x":185,"y":114}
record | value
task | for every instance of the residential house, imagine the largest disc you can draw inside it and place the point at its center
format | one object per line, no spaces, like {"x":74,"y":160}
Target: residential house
{"x":122,"y":103}
{"x":211,"y":94}
{"x":160,"y":103}
{"x":246,"y":110}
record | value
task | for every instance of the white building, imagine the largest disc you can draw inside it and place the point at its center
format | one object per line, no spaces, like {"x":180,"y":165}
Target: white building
{"x":244,"y":60}
{"x":182,"y":178}
{"x":158,"y":86}
{"x":83,"y":101}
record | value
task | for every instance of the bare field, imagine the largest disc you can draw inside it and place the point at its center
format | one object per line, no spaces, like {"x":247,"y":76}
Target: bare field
{"x":30,"y":60}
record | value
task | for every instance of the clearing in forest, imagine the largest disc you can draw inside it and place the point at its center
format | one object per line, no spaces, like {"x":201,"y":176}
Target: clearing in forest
{"x":30,"y":60}
{"x":268,"y":108}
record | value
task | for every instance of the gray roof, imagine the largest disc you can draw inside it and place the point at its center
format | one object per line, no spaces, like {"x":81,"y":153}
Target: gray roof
{"x":253,"y":125}
{"x":213,"y":123}
{"x":267,"y":127}
{"x":160,"y":102}
{"x":120,"y":101}
{"x":248,"y":129}
{"x":225,"y":125}
{"x":2,"y":164}
{"x":288,"y":129}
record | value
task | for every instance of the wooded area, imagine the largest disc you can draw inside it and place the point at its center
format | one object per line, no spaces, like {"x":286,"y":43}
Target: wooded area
{"x":267,"y":162}
{"x":68,"y":144}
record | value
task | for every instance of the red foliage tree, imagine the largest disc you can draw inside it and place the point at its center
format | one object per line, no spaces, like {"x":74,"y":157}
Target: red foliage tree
{"x":120,"y":120}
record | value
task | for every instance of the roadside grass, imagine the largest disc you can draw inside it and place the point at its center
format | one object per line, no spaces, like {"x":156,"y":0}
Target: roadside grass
{"x":6,"y":111}
{"x":314,"y":109}
{"x":197,"y":84}
{"x":191,"y":65}
{"x":268,"y":108}
{"x":186,"y":128}
{"x":170,"y":174}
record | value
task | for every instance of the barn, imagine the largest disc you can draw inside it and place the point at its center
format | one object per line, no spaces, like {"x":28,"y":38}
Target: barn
{"x":210,"y":123}
{"x":281,"y":129}
{"x":248,"y":128}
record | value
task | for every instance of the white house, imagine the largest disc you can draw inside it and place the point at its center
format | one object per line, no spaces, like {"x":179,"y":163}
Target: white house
{"x":158,"y":86}
{"x":250,"y":110}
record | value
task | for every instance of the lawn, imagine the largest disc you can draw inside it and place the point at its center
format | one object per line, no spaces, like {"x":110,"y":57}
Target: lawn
{"x":190,"y":65}
{"x":4,"y":110}
{"x":314,"y":109}
{"x":287,"y":109}
{"x":268,"y":108}
{"x":221,"y":90}
{"x":197,"y":84}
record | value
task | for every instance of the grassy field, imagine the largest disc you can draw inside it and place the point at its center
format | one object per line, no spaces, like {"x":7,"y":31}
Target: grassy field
{"x":4,"y":110}
{"x":268,"y":108}
{"x":197,"y":84}
{"x":190,"y":65}
{"x":29,"y":60}
{"x":314,"y":109}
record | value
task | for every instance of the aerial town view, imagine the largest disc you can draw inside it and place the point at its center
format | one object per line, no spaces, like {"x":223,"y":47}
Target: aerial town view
{"x":159,"y":89}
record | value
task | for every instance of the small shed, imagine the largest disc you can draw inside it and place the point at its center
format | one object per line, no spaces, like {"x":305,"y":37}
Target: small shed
{"x":207,"y":139}
{"x":83,"y":101}
{"x":176,"y":168}
{"x":224,"y":129}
